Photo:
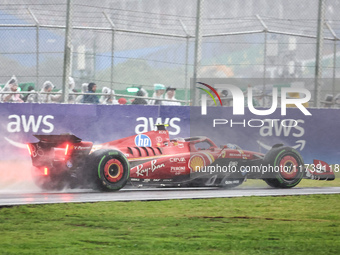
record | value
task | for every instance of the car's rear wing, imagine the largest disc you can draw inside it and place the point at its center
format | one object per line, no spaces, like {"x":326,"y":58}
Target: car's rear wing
{"x":51,"y":148}
{"x":58,"y":139}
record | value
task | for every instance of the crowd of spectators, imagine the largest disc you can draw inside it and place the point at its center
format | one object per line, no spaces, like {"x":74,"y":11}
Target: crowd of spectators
{"x":11,"y":93}
{"x":11,"y":87}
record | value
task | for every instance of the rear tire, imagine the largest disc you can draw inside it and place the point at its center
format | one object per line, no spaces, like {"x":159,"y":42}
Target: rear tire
{"x":288,"y":167}
{"x":109,"y":169}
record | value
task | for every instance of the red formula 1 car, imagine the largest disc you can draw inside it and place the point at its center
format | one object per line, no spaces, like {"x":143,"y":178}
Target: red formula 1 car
{"x":152,"y":158}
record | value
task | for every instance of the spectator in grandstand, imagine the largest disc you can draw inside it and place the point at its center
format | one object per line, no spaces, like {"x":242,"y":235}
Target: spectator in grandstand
{"x":158,"y":94}
{"x":79,"y":99}
{"x":47,"y":88}
{"x":33,"y":97}
{"x":109,"y":98}
{"x":71,"y":85}
{"x":90,"y":98}
{"x":71,"y":98}
{"x":140,"y":100}
{"x":225,"y":98}
{"x":337,"y":101}
{"x":170,"y":94}
{"x":11,"y":86}
{"x":122,"y":100}
{"x":29,"y":89}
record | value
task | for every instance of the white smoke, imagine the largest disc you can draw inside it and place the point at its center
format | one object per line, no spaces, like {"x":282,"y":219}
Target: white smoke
{"x":15,"y":177}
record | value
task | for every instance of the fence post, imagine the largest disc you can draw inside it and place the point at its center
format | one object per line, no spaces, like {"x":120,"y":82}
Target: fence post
{"x":186,"y":60}
{"x":198,"y":53}
{"x":319,"y":49}
{"x":67,"y":51}
{"x":335,"y":39}
{"x":265,"y":30}
{"x":37,"y":46}
{"x":112,"y":48}
{"x":334,"y":67}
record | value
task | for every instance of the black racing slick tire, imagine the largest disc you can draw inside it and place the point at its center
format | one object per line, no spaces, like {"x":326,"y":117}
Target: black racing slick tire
{"x":285,"y":167}
{"x":109,"y":169}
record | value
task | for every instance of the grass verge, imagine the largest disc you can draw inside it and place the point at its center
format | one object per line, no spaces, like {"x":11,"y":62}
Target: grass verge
{"x":305,"y":183}
{"x":248,"y":225}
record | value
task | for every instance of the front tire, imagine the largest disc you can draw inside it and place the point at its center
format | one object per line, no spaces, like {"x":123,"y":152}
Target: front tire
{"x":286,"y":166}
{"x":109,"y":168}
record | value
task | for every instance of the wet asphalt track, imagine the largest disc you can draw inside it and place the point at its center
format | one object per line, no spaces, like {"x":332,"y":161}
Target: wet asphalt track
{"x":150,"y":194}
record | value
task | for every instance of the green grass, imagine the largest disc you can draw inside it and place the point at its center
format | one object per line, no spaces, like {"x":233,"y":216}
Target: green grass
{"x":249,"y":225}
{"x":303,"y":184}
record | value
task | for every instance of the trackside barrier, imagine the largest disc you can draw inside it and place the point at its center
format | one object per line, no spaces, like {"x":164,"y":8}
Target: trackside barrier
{"x":315,"y":136}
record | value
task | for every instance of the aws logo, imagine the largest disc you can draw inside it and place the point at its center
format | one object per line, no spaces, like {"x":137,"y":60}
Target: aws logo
{"x":148,"y":123}
{"x":26,"y":124}
{"x":274,"y":129}
{"x":30,"y":123}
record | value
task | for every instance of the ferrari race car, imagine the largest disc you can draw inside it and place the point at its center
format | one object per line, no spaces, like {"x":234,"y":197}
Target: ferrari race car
{"x":152,"y":158}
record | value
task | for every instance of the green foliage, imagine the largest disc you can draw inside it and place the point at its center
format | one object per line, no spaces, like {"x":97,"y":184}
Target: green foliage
{"x":140,"y":73}
{"x":302,"y":184}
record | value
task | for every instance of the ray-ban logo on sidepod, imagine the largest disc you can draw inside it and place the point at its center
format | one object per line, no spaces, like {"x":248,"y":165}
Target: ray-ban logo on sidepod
{"x":239,"y":104}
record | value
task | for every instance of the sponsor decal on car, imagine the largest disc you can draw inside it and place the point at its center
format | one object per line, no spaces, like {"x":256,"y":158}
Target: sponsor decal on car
{"x":196,"y":162}
{"x":80,"y":148}
{"x":142,"y":171}
{"x":181,"y":145}
{"x":96,"y":147}
{"x":232,"y":182}
{"x":223,"y":154}
{"x":233,"y":163}
{"x":142,"y":140}
{"x":36,"y":150}
{"x":209,"y":156}
{"x":177,"y":169}
{"x":178,"y":160}
{"x":241,"y":155}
